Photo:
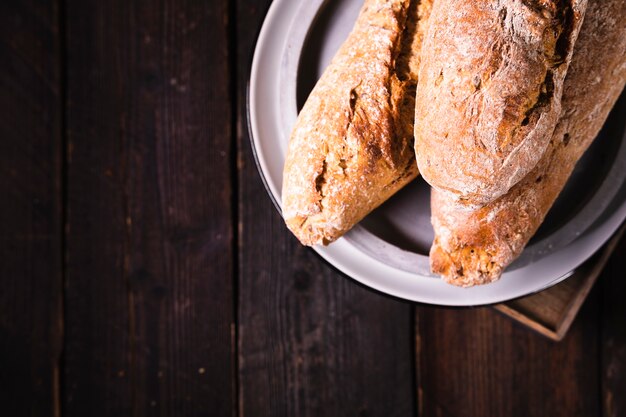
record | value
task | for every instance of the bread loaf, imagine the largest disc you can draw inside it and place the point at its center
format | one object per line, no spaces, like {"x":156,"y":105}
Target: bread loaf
{"x":490,"y":85}
{"x":474,"y":246}
{"x":352,"y":144}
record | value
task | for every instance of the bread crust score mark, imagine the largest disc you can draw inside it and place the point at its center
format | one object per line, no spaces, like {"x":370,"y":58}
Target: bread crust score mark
{"x":352,"y":145}
{"x":489,"y":94}
{"x":474,"y":246}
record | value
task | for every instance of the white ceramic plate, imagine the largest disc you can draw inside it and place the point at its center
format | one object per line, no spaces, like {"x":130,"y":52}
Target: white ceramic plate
{"x":388,"y":250}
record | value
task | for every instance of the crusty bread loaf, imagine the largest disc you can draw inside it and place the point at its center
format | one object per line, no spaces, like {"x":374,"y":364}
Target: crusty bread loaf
{"x":352,"y":145}
{"x":490,"y":84}
{"x":474,"y":246}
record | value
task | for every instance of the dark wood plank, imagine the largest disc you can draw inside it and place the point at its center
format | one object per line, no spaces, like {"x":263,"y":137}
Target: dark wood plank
{"x":98,"y":346}
{"x":613,"y":366}
{"x":149,"y":290}
{"x":476,"y":362}
{"x":311,"y":341}
{"x":31,"y":213}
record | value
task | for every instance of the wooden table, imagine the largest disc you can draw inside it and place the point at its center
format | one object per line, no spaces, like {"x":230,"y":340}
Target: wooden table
{"x":144,"y":270}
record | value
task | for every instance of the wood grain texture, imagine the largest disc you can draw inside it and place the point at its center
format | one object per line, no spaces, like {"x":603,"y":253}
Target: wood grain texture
{"x":613,"y":341}
{"x":98,"y":344}
{"x":475,"y":362}
{"x":149,"y":286}
{"x":150,"y":301}
{"x":311,"y":342}
{"x":31,"y":213}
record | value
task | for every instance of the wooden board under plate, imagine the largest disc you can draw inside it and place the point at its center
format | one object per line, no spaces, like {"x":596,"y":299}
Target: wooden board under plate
{"x":551,"y":312}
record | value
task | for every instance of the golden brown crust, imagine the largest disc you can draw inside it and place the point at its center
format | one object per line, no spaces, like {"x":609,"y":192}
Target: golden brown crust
{"x":352,"y":145}
{"x":489,"y":91}
{"x":474,"y":246}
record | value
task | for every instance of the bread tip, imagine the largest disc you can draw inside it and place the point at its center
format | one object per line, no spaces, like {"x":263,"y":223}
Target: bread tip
{"x":466,"y":267}
{"x":309,"y":233}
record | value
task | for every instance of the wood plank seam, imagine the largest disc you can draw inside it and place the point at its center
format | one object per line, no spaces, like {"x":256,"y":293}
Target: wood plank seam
{"x":60,"y":366}
{"x":235,"y":197}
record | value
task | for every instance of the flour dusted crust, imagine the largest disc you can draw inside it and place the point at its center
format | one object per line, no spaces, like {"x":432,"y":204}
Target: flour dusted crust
{"x":352,"y":145}
{"x":489,"y":91}
{"x":474,"y":246}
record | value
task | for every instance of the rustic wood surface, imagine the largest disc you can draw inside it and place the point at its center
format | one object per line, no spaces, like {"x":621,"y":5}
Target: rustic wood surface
{"x":31,"y":147}
{"x":476,"y":362}
{"x":149,"y":286}
{"x":613,"y":335}
{"x":145,"y":271}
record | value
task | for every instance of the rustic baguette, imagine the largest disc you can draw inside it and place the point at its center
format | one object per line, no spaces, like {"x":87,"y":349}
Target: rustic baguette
{"x":473,"y":247}
{"x":352,"y":144}
{"x":490,"y":84}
